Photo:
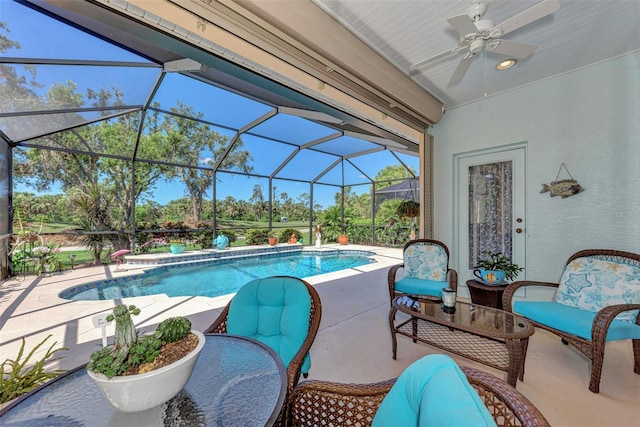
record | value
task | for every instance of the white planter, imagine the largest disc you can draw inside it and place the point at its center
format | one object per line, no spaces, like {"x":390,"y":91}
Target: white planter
{"x":133,"y":393}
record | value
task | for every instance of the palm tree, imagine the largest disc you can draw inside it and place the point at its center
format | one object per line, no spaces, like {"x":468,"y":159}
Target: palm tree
{"x":94,"y":208}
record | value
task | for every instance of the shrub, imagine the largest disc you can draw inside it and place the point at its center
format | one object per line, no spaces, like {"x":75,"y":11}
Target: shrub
{"x":204,"y":238}
{"x":359,"y":232}
{"x":285,"y":234}
{"x":256,"y":236}
{"x":172,"y":235}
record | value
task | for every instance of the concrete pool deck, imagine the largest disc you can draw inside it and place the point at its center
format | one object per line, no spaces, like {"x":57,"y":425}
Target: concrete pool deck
{"x":31,"y":307}
{"x":352,"y":345}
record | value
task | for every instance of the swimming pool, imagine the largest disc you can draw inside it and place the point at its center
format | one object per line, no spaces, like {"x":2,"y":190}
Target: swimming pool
{"x":216,"y":278}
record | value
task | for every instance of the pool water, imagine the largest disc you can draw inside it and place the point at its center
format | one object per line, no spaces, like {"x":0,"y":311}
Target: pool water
{"x":215,"y":279}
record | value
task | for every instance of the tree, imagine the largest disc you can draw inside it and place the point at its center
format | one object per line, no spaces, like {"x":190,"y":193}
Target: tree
{"x":177,"y":210}
{"x":391,"y":175}
{"x":360,"y":203}
{"x":189,"y":139}
{"x":17,"y":90}
{"x":257,"y":198}
{"x":388,"y":176}
{"x":94,"y":208}
{"x":45,"y":207}
{"x":148,"y":213}
{"x":75,"y":171}
{"x":229,"y":208}
{"x":331,"y":221}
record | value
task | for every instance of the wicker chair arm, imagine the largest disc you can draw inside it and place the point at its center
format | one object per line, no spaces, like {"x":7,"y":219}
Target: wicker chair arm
{"x":507,"y":405}
{"x":315,"y":316}
{"x":452,"y":278}
{"x":391,"y":277}
{"x":606,"y":315}
{"x":219,"y":326}
{"x":325,"y":403}
{"x":512,"y":288}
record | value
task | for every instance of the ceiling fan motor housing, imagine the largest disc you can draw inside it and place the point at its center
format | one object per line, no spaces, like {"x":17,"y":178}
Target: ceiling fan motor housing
{"x":484,"y":25}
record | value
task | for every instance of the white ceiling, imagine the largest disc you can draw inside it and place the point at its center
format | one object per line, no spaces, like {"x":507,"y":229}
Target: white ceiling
{"x":580,"y":33}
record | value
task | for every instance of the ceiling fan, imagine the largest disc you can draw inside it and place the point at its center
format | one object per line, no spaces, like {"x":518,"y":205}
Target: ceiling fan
{"x":478,"y":34}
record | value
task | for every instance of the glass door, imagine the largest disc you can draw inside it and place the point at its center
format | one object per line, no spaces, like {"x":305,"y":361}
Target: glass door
{"x":491,"y":206}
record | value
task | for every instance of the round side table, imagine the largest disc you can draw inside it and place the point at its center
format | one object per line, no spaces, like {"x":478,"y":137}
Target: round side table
{"x":487,"y":295}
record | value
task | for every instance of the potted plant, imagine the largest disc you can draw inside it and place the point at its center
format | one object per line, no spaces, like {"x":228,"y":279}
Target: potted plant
{"x":343,"y":239}
{"x":138,"y":372}
{"x":408,"y":209}
{"x":493,"y":268}
{"x":273,"y":240}
{"x":177,"y":246}
{"x":293,"y":239}
{"x":46,"y":258}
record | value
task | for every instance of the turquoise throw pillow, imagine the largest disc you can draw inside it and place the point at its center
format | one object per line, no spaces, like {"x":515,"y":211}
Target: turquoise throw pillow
{"x":592,"y":283}
{"x":433,"y":391}
{"x":426,"y":262}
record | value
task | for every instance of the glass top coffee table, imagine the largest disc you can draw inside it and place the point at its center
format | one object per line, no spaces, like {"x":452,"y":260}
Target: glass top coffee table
{"x":486,"y":335}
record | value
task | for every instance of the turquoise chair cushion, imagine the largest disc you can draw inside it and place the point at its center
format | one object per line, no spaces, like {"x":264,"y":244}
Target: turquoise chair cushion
{"x":592,"y":283}
{"x":274,"y":311}
{"x":409,"y":285}
{"x":433,"y":391}
{"x":572,"y":320}
{"x":425,"y":261}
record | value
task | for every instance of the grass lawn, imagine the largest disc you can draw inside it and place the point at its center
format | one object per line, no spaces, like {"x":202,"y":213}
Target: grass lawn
{"x":47,"y":227}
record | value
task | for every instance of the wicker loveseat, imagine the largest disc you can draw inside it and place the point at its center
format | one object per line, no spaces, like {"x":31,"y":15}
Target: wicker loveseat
{"x":324,"y":403}
{"x":597,"y":300}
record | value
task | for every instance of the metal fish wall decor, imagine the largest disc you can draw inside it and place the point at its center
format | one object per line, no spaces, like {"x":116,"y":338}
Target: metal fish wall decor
{"x":563,"y":187}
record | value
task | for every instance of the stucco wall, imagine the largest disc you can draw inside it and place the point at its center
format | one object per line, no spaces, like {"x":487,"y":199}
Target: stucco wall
{"x":588,"y":119}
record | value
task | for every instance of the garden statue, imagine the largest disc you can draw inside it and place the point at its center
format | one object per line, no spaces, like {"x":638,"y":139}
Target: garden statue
{"x":221,"y":242}
{"x":318,"y":236}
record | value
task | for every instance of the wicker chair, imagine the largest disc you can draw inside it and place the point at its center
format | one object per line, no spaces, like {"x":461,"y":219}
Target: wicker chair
{"x":414,"y":285}
{"x":591,"y":344}
{"x":323,"y":403}
{"x":294,"y":369}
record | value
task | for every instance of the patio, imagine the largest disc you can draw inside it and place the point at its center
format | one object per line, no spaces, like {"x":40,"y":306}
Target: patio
{"x":353,"y":343}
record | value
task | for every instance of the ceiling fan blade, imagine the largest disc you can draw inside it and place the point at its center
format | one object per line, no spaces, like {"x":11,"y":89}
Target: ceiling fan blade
{"x":542,"y":9}
{"x":433,"y":58}
{"x":513,"y":49}
{"x":461,"y":69}
{"x":463,"y":25}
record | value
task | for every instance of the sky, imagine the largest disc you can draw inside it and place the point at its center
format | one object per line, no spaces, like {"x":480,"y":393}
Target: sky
{"x":34,"y":32}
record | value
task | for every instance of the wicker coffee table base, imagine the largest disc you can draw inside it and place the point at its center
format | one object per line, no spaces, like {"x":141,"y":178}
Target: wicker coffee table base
{"x":504,"y":355}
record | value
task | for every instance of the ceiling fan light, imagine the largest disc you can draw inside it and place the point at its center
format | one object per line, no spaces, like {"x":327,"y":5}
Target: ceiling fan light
{"x":476,"y":46}
{"x":506,"y":64}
